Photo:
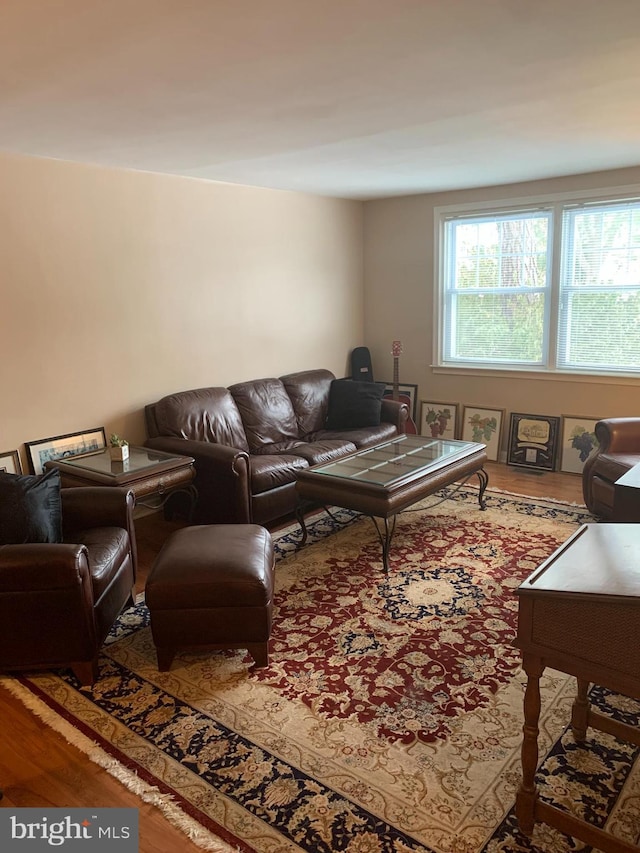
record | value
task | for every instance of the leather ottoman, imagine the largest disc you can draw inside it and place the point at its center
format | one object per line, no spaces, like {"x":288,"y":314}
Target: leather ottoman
{"x":211,"y":586}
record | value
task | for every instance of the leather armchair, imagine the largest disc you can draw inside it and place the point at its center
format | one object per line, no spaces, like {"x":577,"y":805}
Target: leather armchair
{"x":618,"y":451}
{"x":58,"y":601}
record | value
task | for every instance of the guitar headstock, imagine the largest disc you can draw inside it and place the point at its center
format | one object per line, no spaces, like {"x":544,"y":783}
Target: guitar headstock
{"x":396,"y":349}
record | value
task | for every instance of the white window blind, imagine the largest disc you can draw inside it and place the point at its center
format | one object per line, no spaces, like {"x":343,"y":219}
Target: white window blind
{"x":496,"y":288}
{"x":599,"y":316}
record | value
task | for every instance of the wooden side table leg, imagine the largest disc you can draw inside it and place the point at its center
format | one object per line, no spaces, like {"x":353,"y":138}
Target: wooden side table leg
{"x":580,"y":712}
{"x":528,"y":794}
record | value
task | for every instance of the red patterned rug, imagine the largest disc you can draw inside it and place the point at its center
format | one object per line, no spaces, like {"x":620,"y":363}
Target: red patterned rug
{"x":390,"y":717}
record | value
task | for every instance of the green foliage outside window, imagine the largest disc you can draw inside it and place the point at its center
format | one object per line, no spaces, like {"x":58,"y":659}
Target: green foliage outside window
{"x":512,"y":296}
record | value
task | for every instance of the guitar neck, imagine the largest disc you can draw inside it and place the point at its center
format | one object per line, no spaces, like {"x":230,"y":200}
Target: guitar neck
{"x":396,"y":379}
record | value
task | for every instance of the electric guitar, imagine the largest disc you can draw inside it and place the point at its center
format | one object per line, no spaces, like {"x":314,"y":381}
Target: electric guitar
{"x":396,"y":352}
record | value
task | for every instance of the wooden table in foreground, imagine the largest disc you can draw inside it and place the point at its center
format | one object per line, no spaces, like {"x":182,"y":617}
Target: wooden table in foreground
{"x":383,"y":480}
{"x":152,"y":475}
{"x":578,"y":613}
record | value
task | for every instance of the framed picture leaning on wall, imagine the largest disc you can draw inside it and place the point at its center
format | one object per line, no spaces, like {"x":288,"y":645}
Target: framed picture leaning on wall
{"x":439,"y":420}
{"x":485,"y":427}
{"x":578,"y":440}
{"x":61,"y":446}
{"x":533,"y":441}
{"x":407,"y":393}
{"x":10,"y":462}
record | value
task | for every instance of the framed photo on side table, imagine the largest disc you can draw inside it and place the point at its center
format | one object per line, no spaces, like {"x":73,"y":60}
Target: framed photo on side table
{"x":61,"y":446}
{"x":578,"y":440}
{"x":10,"y":462}
{"x":439,"y":420}
{"x":533,"y":441}
{"x":483,"y":426}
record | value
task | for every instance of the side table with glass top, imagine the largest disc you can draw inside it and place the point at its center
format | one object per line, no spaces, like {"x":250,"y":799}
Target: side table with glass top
{"x":152,"y":475}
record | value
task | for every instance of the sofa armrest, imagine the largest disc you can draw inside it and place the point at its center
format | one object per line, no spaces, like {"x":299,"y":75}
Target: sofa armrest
{"x":220,"y":454}
{"x":223,"y":478}
{"x":618,"y":435}
{"x":49,"y":566}
{"x":394,"y":412}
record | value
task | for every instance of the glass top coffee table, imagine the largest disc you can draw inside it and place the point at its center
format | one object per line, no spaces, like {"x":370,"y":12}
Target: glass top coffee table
{"x":382,"y":481}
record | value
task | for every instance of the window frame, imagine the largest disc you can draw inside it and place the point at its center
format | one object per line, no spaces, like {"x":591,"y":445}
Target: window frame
{"x":555,"y":203}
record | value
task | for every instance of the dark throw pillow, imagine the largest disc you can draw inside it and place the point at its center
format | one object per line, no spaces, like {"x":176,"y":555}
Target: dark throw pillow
{"x":30,"y":508}
{"x":354,"y":404}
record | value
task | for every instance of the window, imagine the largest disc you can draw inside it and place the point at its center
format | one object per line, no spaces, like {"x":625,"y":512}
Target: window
{"x":551,"y":288}
{"x":599,"y":319}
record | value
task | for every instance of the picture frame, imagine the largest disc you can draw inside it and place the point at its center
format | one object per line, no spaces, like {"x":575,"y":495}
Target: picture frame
{"x":10,"y":462}
{"x":407,"y":393}
{"x":438,"y":419}
{"x":533,"y":441}
{"x":578,"y":440}
{"x":61,"y":446}
{"x":484,"y":425}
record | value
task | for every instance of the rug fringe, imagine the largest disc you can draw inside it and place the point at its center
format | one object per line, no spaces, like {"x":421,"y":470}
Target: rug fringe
{"x":490,"y":489}
{"x":147,"y":793}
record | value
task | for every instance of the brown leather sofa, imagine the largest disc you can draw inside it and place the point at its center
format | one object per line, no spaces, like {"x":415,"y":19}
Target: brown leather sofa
{"x":249,"y":441}
{"x":618,"y":450}
{"x":58,"y":600}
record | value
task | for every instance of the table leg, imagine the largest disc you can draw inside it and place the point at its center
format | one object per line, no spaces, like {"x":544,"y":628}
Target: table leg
{"x":385,"y":537}
{"x":580,"y":712}
{"x":164,"y":501}
{"x":300,"y":509}
{"x":484,"y":482}
{"x":300,"y":519}
{"x":528,"y":794}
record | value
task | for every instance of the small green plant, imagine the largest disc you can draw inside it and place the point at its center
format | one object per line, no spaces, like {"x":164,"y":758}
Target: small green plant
{"x":116,"y":441}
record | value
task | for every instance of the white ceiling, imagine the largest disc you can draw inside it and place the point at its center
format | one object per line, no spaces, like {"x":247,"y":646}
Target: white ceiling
{"x":349,"y":98}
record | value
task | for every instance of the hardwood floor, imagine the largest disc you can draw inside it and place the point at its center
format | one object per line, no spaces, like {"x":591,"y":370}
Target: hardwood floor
{"x":39,"y":768}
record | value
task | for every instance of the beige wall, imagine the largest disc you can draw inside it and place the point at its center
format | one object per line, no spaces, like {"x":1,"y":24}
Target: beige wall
{"x":119,"y":287}
{"x":399,"y":277}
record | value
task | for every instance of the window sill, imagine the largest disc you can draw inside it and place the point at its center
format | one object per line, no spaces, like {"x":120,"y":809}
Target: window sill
{"x":538,"y":375}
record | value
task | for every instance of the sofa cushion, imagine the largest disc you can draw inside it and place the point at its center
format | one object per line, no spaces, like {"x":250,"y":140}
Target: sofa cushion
{"x":30,"y":508}
{"x":203,"y":414}
{"x":266,"y":412}
{"x":361,"y":438}
{"x":270,"y":471}
{"x":308,"y":391}
{"x":325,"y":450}
{"x":354,"y":404}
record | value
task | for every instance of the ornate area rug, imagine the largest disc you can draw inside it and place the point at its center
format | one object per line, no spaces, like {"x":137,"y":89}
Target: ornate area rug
{"x":390,"y":717}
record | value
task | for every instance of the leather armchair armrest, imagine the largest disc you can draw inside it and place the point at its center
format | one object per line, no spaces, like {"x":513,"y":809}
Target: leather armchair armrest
{"x":47,"y":566}
{"x":97,"y":506}
{"x":618,"y":435}
{"x":394,"y":412}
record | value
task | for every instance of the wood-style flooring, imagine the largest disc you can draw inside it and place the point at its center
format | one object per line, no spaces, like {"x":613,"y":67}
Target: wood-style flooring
{"x":38,"y":768}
